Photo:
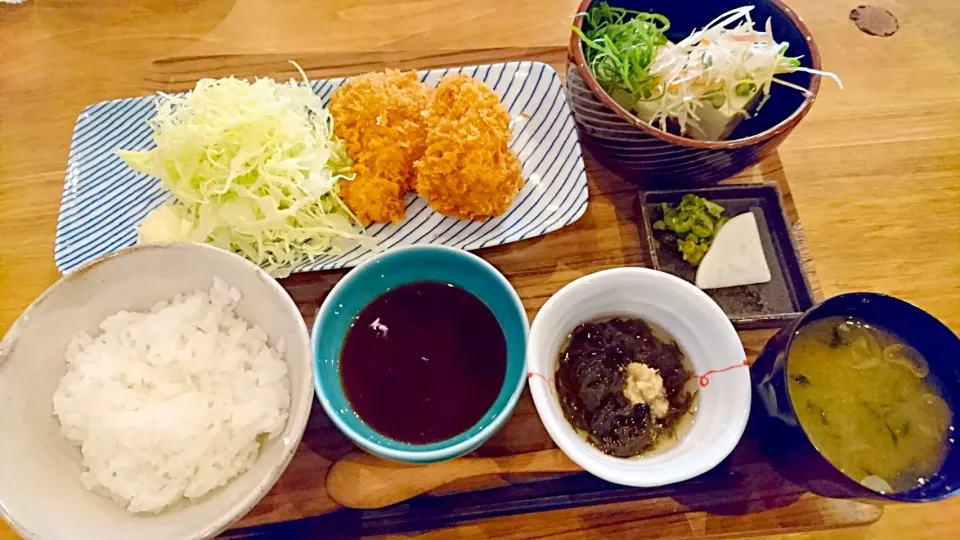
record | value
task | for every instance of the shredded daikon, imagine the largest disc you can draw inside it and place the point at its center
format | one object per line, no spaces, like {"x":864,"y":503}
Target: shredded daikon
{"x":254,"y":168}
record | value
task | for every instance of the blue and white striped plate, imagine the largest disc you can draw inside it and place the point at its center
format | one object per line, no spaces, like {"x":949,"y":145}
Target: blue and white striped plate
{"x":104,"y":201}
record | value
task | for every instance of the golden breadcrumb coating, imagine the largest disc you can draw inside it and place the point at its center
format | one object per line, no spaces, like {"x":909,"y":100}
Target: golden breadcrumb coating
{"x":372,"y":197}
{"x":379,"y":117}
{"x":467,"y":170}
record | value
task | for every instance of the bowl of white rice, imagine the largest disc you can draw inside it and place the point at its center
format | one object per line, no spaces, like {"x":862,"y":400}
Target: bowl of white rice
{"x":155,"y":393}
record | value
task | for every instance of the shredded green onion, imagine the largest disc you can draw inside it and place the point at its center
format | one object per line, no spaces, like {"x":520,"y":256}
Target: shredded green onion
{"x":620,"y":46}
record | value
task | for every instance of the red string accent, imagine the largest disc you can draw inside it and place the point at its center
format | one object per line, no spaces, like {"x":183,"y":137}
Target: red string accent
{"x":531,"y":375}
{"x":705,"y":378}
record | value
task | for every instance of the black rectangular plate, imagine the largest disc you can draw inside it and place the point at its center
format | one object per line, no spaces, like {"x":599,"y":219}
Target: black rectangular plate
{"x":767,"y":305}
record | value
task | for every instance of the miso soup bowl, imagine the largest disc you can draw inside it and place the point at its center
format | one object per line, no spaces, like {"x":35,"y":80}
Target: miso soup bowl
{"x":704,"y":334}
{"x":784,"y":438}
{"x":387,"y":271}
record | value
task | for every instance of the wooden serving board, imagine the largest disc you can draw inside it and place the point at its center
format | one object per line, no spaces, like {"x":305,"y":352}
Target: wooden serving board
{"x":743,"y":496}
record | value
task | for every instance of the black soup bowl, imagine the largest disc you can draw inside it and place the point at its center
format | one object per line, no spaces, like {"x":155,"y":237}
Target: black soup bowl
{"x":782,"y":435}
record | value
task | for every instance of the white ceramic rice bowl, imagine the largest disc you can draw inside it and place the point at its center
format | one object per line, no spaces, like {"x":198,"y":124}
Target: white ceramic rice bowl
{"x":703,"y":332}
{"x":40,"y":491}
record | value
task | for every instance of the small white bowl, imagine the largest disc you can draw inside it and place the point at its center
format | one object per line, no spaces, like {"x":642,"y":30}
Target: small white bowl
{"x":706,"y":337}
{"x":40,"y":491}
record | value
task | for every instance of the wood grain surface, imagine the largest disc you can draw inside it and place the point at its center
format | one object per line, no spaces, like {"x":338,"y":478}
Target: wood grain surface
{"x":874,"y":172}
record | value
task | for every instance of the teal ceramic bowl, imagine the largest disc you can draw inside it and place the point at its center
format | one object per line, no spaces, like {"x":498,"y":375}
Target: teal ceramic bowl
{"x":387,"y":271}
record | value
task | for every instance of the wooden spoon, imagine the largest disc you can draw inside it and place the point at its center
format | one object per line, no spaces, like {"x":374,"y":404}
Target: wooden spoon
{"x":365,"y":481}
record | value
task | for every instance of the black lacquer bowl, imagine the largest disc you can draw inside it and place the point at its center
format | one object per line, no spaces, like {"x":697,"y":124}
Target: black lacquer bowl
{"x":784,"y":439}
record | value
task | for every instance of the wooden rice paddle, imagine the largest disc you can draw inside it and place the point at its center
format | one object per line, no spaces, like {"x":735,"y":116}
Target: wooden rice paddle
{"x":364,"y":481}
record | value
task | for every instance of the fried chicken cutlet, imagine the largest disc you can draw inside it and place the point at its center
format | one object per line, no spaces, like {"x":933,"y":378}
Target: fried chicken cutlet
{"x":379,"y":117}
{"x":467,"y":170}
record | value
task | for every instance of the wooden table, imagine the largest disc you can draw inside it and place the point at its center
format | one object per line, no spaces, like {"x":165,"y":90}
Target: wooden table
{"x":874,"y":170}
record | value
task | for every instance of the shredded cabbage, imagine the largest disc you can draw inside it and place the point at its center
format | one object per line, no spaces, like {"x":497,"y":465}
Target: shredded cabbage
{"x":254,"y":168}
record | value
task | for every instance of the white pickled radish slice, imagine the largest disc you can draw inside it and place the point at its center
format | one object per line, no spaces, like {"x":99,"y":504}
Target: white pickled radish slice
{"x":736,"y":256}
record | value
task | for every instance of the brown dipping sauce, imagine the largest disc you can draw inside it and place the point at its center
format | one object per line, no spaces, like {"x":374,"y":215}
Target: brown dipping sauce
{"x":592,"y":375}
{"x":423,"y":362}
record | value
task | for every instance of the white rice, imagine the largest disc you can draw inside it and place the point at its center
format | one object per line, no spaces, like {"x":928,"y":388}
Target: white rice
{"x":172,"y":403}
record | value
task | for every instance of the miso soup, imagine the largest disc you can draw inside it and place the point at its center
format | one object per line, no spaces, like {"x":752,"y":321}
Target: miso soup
{"x":868,"y":403}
